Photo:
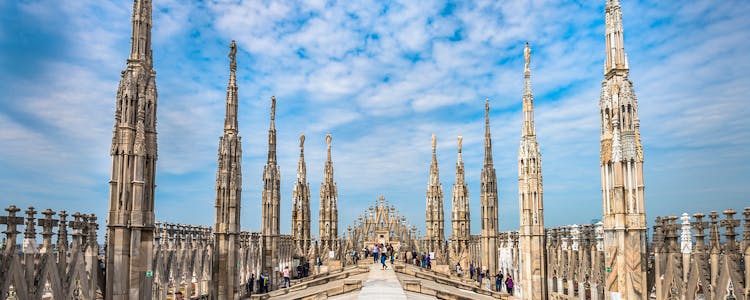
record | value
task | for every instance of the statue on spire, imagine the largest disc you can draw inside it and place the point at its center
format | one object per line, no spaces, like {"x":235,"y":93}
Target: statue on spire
{"x":527,"y":56}
{"x":460,"y":143}
{"x":233,"y":56}
{"x":434,"y":143}
{"x":301,"y":140}
{"x":328,"y":141}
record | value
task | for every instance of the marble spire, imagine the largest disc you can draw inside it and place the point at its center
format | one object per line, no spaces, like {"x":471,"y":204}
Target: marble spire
{"x":530,"y":197}
{"x":488,"y":201}
{"x":271,"y":200}
{"x":228,"y":196}
{"x":328,"y":220}
{"x":130,"y":221}
{"x":434,"y":224}
{"x":301,"y":204}
{"x":624,"y":214}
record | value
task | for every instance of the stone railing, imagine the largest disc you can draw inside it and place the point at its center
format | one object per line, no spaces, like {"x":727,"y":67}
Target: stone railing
{"x":685,"y":265}
{"x":575,"y":262}
{"x":682,"y":263}
{"x":69,"y":268}
{"x":182,"y":260}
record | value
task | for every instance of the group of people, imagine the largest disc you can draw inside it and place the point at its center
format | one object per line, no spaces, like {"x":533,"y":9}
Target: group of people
{"x":263,"y":281}
{"x":480,"y":274}
{"x":381,"y":252}
{"x":421,"y":260}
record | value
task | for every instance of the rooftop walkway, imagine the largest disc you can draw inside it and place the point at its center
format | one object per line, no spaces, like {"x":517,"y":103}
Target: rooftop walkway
{"x":382,"y":284}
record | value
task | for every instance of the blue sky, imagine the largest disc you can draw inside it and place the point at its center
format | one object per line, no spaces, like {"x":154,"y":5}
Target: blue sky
{"x":382,"y":77}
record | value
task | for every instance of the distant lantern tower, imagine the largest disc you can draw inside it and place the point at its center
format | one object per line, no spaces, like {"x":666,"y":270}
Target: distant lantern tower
{"x":301,"y":204}
{"x":460,"y":216}
{"x":271,"y":201}
{"x":329,"y":213}
{"x":624,"y":214}
{"x":228,"y":196}
{"x":434,"y":224}
{"x":488,"y":201}
{"x":130,"y":226}
{"x":530,"y":198}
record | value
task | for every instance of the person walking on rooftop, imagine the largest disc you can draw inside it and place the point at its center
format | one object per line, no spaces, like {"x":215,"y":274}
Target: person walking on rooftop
{"x":509,"y":285}
{"x":382,"y":261}
{"x":287,"y":281}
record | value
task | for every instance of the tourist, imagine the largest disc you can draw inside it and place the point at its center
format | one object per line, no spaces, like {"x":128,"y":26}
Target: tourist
{"x":458,"y":269}
{"x":287,"y":282}
{"x":178,"y":296}
{"x":414,"y":258}
{"x":382,"y":261}
{"x":509,"y":285}
{"x":424,"y":262}
{"x":260,"y":284}
{"x":471,"y":271}
{"x":318,"y":262}
{"x":265,"y":282}
{"x":429,"y":263}
{"x":498,"y":281}
{"x":375,"y":253}
{"x":250,"y":283}
{"x":356,"y":257}
{"x":393,"y":256}
{"x":299,"y":272}
{"x":489,"y":279}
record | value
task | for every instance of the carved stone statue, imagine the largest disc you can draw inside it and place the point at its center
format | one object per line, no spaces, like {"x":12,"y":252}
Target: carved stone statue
{"x":302,"y":140}
{"x":233,"y":56}
{"x":434,"y":142}
{"x":527,"y":56}
{"x":328,"y":141}
{"x":460,"y":142}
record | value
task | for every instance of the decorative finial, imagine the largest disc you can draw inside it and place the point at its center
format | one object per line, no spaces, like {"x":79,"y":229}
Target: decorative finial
{"x":460,"y":143}
{"x":527,"y":55}
{"x":302,"y":140}
{"x":273,"y":107}
{"x":434,"y":143}
{"x":233,"y":56}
